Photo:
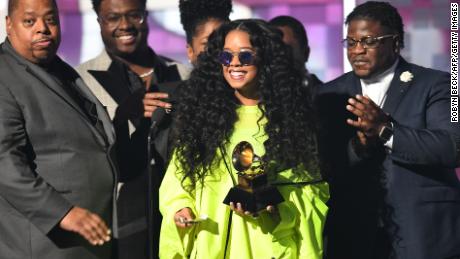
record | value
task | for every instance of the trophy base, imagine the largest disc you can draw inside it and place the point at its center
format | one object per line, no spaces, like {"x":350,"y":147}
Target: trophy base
{"x":256,"y":200}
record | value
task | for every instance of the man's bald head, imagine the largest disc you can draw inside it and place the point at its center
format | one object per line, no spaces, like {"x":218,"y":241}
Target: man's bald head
{"x":13,"y":4}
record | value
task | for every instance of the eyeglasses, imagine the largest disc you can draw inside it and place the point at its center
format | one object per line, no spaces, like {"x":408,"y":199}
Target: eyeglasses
{"x":368,"y":42}
{"x":134,"y":17}
{"x":246,"y":58}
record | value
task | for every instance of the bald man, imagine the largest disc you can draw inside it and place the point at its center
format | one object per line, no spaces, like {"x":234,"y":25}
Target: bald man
{"x":56,"y":141}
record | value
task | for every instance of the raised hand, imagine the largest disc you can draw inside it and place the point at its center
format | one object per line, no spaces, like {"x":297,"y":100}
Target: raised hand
{"x":152,"y":101}
{"x":371,"y":118}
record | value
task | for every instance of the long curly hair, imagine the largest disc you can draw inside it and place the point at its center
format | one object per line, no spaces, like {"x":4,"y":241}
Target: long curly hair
{"x":206,"y":109}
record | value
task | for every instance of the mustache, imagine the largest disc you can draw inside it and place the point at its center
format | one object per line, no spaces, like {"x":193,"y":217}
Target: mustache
{"x":121,"y":32}
{"x":359,"y":59}
{"x":42,"y":39}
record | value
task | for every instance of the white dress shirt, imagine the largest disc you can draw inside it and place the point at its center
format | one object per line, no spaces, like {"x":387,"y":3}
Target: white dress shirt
{"x":376,"y":88}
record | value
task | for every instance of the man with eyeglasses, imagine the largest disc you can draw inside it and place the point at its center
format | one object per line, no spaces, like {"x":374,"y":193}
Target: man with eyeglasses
{"x":132,"y":81}
{"x":389,"y":148}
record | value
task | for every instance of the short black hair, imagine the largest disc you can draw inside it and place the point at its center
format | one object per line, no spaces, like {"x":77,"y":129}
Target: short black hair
{"x":382,"y":12}
{"x":297,"y":28}
{"x":97,"y":4}
{"x":194,"y":13}
{"x":12,"y":4}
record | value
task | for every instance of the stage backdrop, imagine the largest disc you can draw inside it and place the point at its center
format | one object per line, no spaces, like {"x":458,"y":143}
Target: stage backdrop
{"x":426,"y":25}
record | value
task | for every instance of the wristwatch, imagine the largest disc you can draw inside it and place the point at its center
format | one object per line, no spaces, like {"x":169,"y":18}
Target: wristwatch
{"x":386,"y":132}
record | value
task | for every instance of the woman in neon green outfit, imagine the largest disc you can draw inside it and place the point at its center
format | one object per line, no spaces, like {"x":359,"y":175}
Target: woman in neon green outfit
{"x":244,"y":88}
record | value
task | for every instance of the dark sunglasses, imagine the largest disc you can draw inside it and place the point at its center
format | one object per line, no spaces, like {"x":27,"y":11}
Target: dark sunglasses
{"x":246,"y":58}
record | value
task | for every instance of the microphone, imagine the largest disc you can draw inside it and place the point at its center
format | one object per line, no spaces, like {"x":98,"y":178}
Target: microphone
{"x":153,"y":181}
{"x":154,"y":178}
{"x":156,"y":119}
{"x":159,"y":113}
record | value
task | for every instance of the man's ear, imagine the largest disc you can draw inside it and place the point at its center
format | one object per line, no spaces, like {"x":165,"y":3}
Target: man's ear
{"x":8,"y":25}
{"x":397,"y":45}
{"x":307,"y":53}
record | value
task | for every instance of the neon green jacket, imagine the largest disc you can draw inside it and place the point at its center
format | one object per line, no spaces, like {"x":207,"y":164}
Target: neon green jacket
{"x":297,"y":235}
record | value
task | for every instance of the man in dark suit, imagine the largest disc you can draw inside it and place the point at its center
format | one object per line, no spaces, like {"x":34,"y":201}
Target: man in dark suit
{"x":390,"y":149}
{"x":57,"y":174}
{"x":120,"y":77}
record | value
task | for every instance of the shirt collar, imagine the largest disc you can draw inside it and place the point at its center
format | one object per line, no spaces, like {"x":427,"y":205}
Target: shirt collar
{"x":384,"y":76}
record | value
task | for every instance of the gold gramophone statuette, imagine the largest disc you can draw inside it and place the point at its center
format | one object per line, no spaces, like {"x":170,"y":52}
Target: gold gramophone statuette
{"x":253,"y":190}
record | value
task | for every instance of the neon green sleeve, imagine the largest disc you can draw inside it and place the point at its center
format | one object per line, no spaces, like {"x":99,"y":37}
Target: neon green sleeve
{"x":174,"y":242}
{"x":299,"y":231}
{"x":312,"y":219}
{"x":302,"y":218}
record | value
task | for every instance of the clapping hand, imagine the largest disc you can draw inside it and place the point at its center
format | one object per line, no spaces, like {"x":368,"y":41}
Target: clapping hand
{"x":371,"y":118}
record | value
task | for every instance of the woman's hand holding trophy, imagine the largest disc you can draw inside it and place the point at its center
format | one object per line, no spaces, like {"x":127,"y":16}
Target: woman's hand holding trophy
{"x":253,"y":192}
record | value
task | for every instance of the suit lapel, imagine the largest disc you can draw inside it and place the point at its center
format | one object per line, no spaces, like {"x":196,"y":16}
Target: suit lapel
{"x":101,"y":112}
{"x":56,"y":87}
{"x":165,"y":73}
{"x":397,"y":89}
{"x":355,"y":85}
{"x":114,"y":80}
{"x":40,"y":74}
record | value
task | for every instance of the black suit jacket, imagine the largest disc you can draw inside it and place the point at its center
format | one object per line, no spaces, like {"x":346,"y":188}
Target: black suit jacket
{"x":410,"y":197}
{"x":52,"y":157}
{"x":121,"y":91}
